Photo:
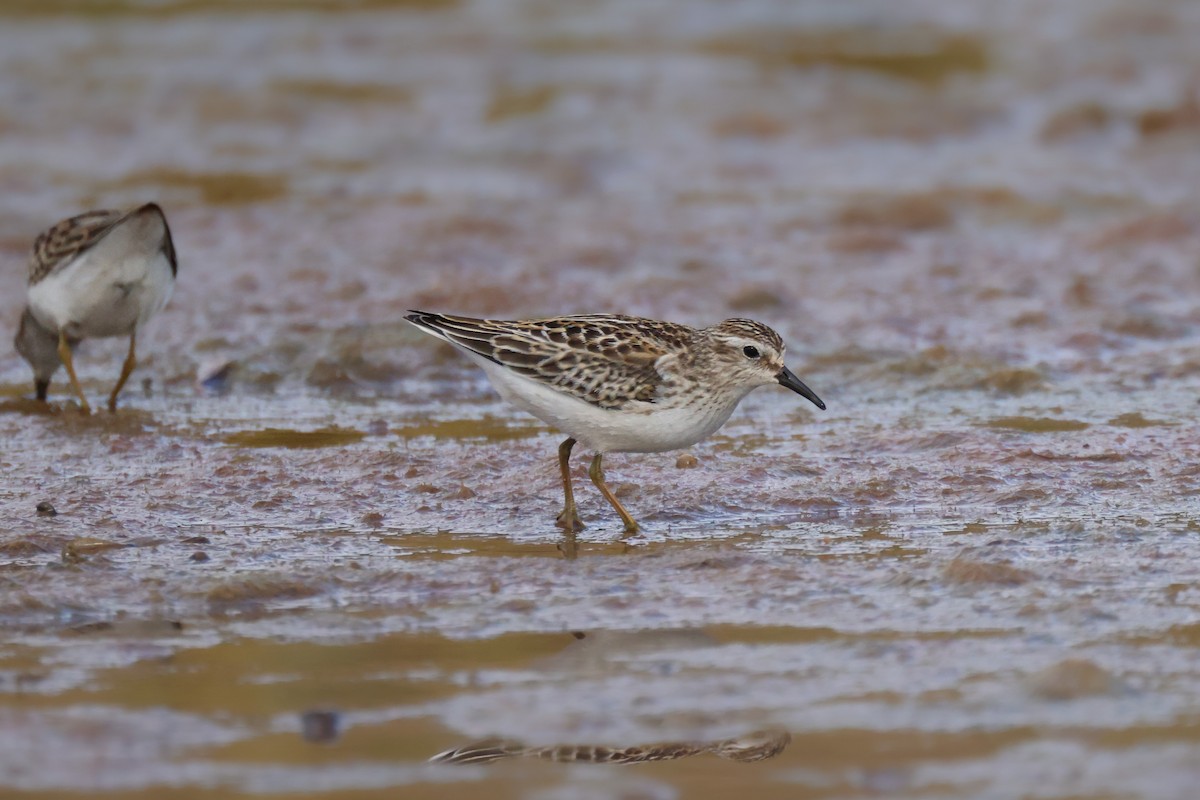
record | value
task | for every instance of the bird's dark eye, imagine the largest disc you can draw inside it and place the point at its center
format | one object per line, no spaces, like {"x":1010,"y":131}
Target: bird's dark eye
{"x":750,"y":351}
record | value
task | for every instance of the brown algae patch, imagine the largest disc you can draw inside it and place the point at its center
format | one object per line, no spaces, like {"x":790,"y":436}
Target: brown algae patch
{"x":136,"y":8}
{"x":131,"y":628}
{"x":226,"y":678}
{"x":214,"y":188}
{"x":284,"y":437}
{"x":916,"y":211}
{"x":944,"y":368}
{"x":1011,"y":381}
{"x":1134,"y":419}
{"x":1076,"y":121}
{"x":1036,"y":424}
{"x":259,"y":589}
{"x":334,"y":91}
{"x":1184,"y":635}
{"x":509,"y":102}
{"x":28,"y":547}
{"x":1183,"y":118}
{"x":971,"y":528}
{"x":923,"y":55}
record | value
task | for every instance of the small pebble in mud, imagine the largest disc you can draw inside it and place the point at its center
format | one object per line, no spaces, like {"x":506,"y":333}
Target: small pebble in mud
{"x":377,"y":427}
{"x":44,"y":509}
{"x":372,"y":519}
{"x":199,"y":556}
{"x":464,"y":493}
{"x":320,"y":727}
{"x":687,"y":461}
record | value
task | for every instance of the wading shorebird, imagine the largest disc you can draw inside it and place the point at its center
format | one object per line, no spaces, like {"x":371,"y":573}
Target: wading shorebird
{"x":102,"y":273}
{"x":620,"y":384}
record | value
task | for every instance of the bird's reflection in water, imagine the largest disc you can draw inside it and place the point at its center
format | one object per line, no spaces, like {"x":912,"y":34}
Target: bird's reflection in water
{"x":753,"y":746}
{"x":602,"y":652}
{"x":569,"y":546}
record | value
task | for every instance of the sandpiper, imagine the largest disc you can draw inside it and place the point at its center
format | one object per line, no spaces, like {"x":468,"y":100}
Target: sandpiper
{"x":618,"y":383}
{"x":102,"y":273}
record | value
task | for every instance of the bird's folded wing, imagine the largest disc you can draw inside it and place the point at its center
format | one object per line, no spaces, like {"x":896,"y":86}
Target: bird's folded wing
{"x":608,"y":361}
{"x":58,"y":245}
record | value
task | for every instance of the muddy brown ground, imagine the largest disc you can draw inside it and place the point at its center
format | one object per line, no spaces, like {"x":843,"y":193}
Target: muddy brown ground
{"x":975,"y":224}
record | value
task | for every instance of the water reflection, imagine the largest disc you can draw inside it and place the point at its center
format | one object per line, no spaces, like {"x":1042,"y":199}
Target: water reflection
{"x":616,"y":654}
{"x":749,"y":747}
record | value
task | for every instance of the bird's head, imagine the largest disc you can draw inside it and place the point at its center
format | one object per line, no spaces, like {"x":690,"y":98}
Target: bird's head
{"x":751,"y":355}
{"x":39,"y":346}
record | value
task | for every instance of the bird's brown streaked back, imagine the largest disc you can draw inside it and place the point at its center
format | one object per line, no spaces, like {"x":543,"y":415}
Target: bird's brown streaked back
{"x":590,"y":357}
{"x":60,"y":244}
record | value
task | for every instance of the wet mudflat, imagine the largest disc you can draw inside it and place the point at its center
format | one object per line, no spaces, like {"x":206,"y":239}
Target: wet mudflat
{"x":312,"y":549}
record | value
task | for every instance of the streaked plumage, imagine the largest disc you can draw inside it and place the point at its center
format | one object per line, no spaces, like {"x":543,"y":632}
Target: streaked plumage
{"x":97,"y":274}
{"x":618,"y":383}
{"x":751,"y":747}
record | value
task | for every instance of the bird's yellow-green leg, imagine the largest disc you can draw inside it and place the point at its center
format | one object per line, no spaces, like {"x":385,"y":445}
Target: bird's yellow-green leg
{"x":64,"y":355}
{"x":569,"y":519}
{"x":126,"y":369}
{"x":596,"y":473}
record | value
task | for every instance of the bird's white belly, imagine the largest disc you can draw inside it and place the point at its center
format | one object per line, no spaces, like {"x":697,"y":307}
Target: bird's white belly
{"x":653,"y":430}
{"x":102,"y":299}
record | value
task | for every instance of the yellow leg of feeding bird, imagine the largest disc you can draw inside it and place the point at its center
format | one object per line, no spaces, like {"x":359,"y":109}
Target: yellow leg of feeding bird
{"x":64,"y":354}
{"x":596,"y":473}
{"x":126,"y":369}
{"x":568,"y":520}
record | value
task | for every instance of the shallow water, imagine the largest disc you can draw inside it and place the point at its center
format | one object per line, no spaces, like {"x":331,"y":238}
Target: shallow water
{"x":974,"y":575}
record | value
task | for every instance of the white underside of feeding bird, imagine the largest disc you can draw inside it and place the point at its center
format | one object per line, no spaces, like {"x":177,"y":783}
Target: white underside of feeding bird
{"x":102,"y":293}
{"x":655,"y":428}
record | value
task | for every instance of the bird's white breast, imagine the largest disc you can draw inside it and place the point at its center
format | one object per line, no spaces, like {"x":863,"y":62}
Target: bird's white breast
{"x":653,"y":429}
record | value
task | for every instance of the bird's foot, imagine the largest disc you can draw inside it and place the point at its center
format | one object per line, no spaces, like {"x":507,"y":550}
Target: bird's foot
{"x":569,"y":520}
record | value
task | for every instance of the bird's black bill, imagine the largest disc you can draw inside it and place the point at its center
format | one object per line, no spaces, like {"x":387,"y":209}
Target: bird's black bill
{"x":788,"y":380}
{"x":42,"y":388}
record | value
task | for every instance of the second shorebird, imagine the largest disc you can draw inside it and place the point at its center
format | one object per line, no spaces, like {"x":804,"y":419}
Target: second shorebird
{"x":620,"y":384}
{"x":103,"y":273}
